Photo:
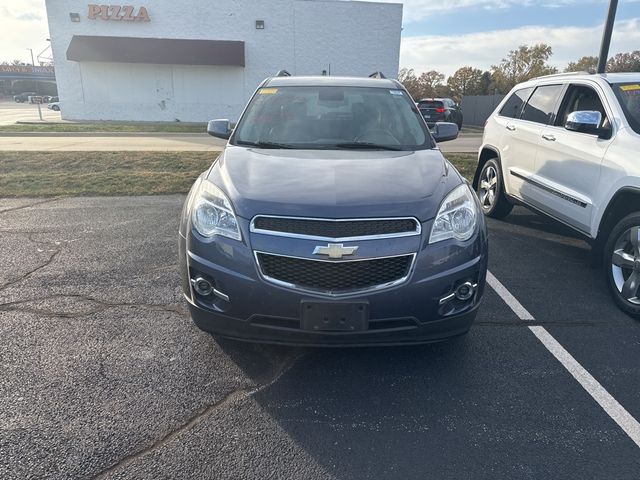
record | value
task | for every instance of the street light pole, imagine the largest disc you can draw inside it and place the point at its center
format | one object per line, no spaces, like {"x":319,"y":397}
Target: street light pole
{"x":33,"y":63}
{"x":606,"y":36}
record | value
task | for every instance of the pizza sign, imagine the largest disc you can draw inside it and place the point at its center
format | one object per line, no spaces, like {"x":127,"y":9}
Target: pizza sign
{"x":124,"y":13}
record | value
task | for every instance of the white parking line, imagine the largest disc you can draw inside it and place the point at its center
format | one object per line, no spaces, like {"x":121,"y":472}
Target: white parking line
{"x":609,"y":404}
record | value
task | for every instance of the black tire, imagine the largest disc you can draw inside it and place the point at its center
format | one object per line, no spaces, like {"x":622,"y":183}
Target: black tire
{"x":622,"y":264}
{"x":55,"y":108}
{"x":492,"y":198}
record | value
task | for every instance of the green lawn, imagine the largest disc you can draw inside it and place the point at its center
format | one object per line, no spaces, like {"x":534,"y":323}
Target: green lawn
{"x":43,"y":174}
{"x":164,"y":127}
{"x":465,"y":163}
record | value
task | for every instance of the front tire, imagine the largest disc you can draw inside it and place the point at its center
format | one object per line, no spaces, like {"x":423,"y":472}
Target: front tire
{"x":622,"y":264}
{"x":55,"y":108}
{"x":490,"y":191}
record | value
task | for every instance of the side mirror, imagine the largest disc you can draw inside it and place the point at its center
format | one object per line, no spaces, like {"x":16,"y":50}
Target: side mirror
{"x":444,"y":131}
{"x":585,"y":121}
{"x":219,"y":128}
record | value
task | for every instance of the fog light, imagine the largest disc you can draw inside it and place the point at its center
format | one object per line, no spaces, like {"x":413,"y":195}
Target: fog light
{"x":202,"y":286}
{"x":465,"y":291}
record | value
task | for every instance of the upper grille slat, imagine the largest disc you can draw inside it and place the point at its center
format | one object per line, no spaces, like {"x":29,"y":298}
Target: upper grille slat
{"x":335,"y":229}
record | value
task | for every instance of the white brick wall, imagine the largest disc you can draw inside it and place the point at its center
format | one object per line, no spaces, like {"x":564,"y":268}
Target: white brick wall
{"x":301,"y":36}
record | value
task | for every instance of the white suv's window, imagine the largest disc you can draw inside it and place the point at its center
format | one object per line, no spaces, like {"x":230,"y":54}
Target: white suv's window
{"x":542,"y":104}
{"x":580,"y":98}
{"x":513,"y":106}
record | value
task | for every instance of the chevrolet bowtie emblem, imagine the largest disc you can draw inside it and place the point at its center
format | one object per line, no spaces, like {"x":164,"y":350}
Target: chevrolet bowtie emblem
{"x":335,"y":250}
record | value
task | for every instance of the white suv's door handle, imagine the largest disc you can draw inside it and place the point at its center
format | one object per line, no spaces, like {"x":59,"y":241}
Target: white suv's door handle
{"x":511,"y":128}
{"x":549,"y":138}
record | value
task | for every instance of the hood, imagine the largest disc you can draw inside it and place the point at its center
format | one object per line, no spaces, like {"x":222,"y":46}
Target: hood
{"x":334,"y":184}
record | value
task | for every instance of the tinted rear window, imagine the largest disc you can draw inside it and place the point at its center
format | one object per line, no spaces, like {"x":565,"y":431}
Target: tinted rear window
{"x":513,"y":107}
{"x":541,"y":106}
{"x":430,"y":104}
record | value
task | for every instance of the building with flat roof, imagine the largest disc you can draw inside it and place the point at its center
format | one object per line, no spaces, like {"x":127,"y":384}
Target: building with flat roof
{"x":195,"y":60}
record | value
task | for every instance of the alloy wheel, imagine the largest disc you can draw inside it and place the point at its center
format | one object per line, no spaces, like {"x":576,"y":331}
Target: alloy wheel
{"x":625,"y":264}
{"x":488,"y":187}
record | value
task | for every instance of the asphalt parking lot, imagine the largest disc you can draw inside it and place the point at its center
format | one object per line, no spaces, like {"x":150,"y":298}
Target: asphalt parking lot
{"x":11,"y":112}
{"x":104,"y":376}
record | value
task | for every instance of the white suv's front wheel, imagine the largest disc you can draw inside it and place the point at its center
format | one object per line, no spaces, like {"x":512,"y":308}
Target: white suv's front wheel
{"x":622,"y":262}
{"x":491,"y":191}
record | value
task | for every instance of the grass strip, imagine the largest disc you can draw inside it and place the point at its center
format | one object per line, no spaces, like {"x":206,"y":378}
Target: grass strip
{"x":46,"y":174}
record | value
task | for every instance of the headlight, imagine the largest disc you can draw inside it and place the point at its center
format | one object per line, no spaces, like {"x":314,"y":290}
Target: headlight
{"x":457,"y":216}
{"x":212,"y":213}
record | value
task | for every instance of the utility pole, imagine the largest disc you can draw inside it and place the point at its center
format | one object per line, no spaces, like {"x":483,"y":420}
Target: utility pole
{"x":33,"y":63}
{"x":606,"y":36}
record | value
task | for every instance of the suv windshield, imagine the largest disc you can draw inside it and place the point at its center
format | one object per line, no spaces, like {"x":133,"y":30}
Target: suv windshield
{"x":333,"y":118}
{"x":629,"y":97}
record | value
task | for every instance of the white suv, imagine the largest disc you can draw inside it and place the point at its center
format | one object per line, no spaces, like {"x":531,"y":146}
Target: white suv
{"x":567,"y":146}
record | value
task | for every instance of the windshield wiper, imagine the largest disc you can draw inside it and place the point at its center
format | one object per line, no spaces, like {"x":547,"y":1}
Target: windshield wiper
{"x":262,"y":144}
{"x":366,"y":146}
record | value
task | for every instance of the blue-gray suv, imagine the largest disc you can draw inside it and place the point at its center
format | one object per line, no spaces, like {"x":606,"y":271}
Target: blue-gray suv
{"x":332,"y":219}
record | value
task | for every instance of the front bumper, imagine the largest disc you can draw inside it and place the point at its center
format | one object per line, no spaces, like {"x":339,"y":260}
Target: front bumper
{"x":255,"y":330}
{"x":260,"y":311}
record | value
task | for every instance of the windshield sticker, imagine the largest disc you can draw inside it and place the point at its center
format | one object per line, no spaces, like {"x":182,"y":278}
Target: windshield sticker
{"x":268,"y":91}
{"x":629,"y":88}
{"x":396,"y":92}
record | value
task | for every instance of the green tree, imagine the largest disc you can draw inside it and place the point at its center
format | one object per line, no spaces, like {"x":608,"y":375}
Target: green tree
{"x":407,"y":77}
{"x":625,"y":62}
{"x":431,"y":84}
{"x":466,"y":81}
{"x":521,"y":65}
{"x":584,"y":64}
{"x":428,"y":84}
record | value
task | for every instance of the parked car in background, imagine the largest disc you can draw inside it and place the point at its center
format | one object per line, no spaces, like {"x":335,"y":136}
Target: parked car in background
{"x":23,"y":97}
{"x":440,"y":110}
{"x":567,"y":146}
{"x":332,"y":218}
{"x":55,"y":106}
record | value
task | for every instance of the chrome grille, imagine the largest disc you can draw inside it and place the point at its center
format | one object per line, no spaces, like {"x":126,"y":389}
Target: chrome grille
{"x":335,"y":277}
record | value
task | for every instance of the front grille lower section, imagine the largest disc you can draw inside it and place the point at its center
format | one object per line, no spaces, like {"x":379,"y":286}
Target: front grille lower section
{"x":335,"y":277}
{"x":336,"y":229}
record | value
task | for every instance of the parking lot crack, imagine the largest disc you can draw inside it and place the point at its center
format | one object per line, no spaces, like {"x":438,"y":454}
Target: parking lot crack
{"x":202,"y":414}
{"x":97,"y":306}
{"x":30,"y":272}
{"x":35,"y":204}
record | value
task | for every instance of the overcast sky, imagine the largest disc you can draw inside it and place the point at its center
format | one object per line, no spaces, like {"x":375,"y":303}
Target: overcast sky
{"x":438,"y":34}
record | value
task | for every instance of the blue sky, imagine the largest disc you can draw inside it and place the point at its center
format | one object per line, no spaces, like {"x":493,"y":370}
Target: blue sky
{"x":447,"y":34}
{"x":438,"y":35}
{"x":485,"y":16}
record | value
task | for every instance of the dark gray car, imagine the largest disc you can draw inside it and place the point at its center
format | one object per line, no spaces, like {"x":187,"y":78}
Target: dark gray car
{"x":332,"y":218}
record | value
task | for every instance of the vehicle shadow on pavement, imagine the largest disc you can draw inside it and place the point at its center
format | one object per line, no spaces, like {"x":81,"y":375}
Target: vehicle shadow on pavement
{"x":522,"y":217}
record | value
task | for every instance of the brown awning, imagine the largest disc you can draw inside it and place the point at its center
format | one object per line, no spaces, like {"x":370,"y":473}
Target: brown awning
{"x":168,"y":51}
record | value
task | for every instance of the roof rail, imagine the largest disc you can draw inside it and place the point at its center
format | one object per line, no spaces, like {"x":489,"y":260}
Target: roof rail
{"x":283,"y":73}
{"x":563,"y":74}
{"x":377,"y":75}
